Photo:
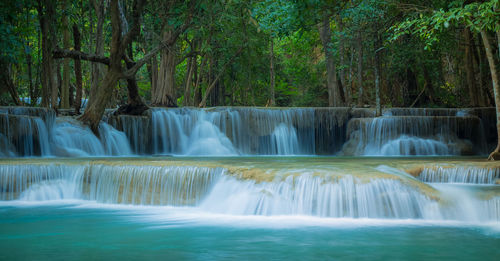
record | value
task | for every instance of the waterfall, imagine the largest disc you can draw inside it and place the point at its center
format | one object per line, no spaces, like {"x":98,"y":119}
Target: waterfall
{"x":224,"y":190}
{"x":321,"y":196}
{"x":406,"y":145}
{"x":37,"y":132}
{"x":232,"y":131}
{"x":126,"y":184}
{"x":471,"y":175}
{"x":468,"y":206}
{"x":284,"y":140}
{"x":415,"y":135}
{"x":229,"y":131}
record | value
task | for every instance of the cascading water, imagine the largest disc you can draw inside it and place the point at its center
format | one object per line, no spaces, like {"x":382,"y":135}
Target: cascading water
{"x":232,"y":131}
{"x":249,"y":131}
{"x":406,"y":145}
{"x":415,"y":135}
{"x":127,"y":184}
{"x":225,"y":190}
{"x":37,"y":132}
{"x":470,"y":175}
{"x":321,"y":196}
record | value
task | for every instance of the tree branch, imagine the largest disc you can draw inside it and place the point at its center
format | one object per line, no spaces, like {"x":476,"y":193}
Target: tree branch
{"x":130,"y":73}
{"x":136,"y":23}
{"x":77,"y":55}
{"x":212,"y":85}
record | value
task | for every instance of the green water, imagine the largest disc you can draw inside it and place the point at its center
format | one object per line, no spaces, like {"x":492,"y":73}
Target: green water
{"x":73,"y":232}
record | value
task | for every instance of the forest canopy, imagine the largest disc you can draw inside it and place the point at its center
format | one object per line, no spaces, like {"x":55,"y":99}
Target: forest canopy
{"x":136,"y":53}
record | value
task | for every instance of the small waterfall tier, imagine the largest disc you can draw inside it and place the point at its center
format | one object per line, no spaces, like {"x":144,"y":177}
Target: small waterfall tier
{"x":236,"y":131}
{"x":232,"y":131}
{"x":230,"y":187}
{"x":117,"y":184}
{"x":451,"y":174}
{"x":37,"y":132}
{"x":415,"y":135}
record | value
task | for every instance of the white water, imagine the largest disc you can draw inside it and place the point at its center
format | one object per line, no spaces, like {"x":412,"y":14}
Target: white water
{"x":243,"y":131}
{"x":467,"y":204}
{"x":38,"y":132}
{"x":231,"y":132}
{"x":216,"y":191}
{"x":415,"y":135}
{"x":318,"y":196}
{"x":406,"y":146}
{"x":471,"y":175}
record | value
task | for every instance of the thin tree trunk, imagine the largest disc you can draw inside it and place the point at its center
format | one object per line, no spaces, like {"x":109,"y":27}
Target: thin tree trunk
{"x":347,"y":93}
{"x":197,"y":87}
{"x":271,"y":74}
{"x":495,"y":155}
{"x":334,"y":99}
{"x":469,"y":69}
{"x":66,"y":45}
{"x":78,"y":70}
{"x":6,"y":80}
{"x":350,"y":83}
{"x":481,"y":96}
{"x":360,"y":69}
{"x":38,"y":76}
{"x":189,"y":79}
{"x":29,"y":63}
{"x":154,"y":75}
{"x":203,"y":102}
{"x":376,"y":68}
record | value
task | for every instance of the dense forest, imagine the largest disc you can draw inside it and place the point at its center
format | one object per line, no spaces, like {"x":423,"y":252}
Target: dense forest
{"x":131,"y":54}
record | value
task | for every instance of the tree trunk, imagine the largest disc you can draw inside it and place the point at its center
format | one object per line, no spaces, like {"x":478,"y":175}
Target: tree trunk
{"x":66,"y":44}
{"x":102,"y":94}
{"x":29,"y":63}
{"x":189,"y":78}
{"x":481,"y":94}
{"x":376,"y":68}
{"x":347,"y":89}
{"x":78,"y":70}
{"x":46,"y":14}
{"x":271,"y":75}
{"x":360,"y":69}
{"x":6,"y":80}
{"x":154,"y":75}
{"x":165,"y":90}
{"x":98,"y":69}
{"x":428,"y":87}
{"x":498,"y":43}
{"x":350,"y":78}
{"x":203,"y":102}
{"x":197,"y":87}
{"x":469,"y":69}
{"x":332,"y":85}
{"x":495,"y":155}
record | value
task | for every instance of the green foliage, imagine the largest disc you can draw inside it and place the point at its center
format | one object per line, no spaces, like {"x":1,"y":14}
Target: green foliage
{"x":476,"y":16}
{"x":231,"y":38}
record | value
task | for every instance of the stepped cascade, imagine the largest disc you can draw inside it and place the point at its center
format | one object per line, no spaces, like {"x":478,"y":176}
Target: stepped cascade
{"x":327,"y":190}
{"x":228,"y":131}
{"x":229,"y":171}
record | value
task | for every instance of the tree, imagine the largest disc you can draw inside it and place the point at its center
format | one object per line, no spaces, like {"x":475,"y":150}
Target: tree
{"x":479,"y":17}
